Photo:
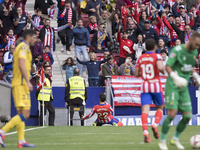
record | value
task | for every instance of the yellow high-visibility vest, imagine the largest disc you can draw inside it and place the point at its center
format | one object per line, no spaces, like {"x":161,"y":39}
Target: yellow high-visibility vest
{"x":47,"y":91}
{"x":77,"y":87}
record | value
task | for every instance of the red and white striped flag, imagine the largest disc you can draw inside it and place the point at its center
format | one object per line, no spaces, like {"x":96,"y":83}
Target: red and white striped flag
{"x":127,"y":90}
{"x":149,"y":9}
{"x":41,"y":80}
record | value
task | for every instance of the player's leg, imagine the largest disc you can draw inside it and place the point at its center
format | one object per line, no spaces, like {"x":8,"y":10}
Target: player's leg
{"x":171,"y":104}
{"x":116,"y":122}
{"x":146,"y":100}
{"x":158,"y":101}
{"x":186,"y":109}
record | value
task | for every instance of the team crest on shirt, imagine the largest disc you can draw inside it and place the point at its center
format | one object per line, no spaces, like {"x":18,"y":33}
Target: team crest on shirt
{"x":172,"y":55}
{"x":95,"y":63}
{"x":24,"y":18}
{"x":128,"y":42}
{"x":23,"y":53}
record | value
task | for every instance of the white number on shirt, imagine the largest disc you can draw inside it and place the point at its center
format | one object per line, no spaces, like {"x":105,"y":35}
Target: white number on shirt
{"x":147,"y":71}
{"x":102,"y":116}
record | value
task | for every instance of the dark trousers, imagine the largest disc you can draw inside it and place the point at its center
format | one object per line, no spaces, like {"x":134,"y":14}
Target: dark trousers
{"x":77,"y":102}
{"x":64,"y":37}
{"x":121,"y":60}
{"x":47,"y":106}
{"x":93,"y":82}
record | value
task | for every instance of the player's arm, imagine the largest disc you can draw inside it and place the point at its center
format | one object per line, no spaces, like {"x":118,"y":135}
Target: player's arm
{"x":23,"y":71}
{"x":90,"y":114}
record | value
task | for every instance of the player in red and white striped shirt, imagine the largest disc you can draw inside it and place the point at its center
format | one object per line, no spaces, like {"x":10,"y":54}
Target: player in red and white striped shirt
{"x":148,"y":67}
{"x":104,"y":113}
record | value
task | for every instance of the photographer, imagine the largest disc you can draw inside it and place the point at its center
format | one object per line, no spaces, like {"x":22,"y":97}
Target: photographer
{"x":100,"y":39}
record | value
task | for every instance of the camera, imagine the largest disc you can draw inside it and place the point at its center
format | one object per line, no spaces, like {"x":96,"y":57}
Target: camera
{"x":104,"y":28}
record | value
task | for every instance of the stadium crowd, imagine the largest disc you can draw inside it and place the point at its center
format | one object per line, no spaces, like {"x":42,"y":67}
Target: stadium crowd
{"x":99,"y":29}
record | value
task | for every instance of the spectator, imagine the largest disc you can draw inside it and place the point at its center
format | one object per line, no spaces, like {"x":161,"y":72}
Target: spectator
{"x":167,"y":9}
{"x":3,"y":5}
{"x":127,"y":68}
{"x":157,"y":4}
{"x":116,"y":23}
{"x":143,"y":18}
{"x":47,"y":33}
{"x":83,"y":6}
{"x":11,"y":38}
{"x":47,"y":55}
{"x":8,"y":60}
{"x":37,"y":50}
{"x":139,"y":47}
{"x":66,"y":15}
{"x":149,"y":32}
{"x":100,"y":39}
{"x":161,"y":46}
{"x":177,"y":42}
{"x":7,"y":18}
{"x":47,"y":96}
{"x":69,"y":65}
{"x":19,"y":22}
{"x":21,"y":3}
{"x":134,"y":31}
{"x":92,"y":25}
{"x":104,"y":18}
{"x":93,"y":68}
{"x":193,"y":10}
{"x":156,"y":23}
{"x":90,"y":8}
{"x":75,"y":94}
{"x":164,"y":59}
{"x":82,"y":43}
{"x":109,"y":69}
{"x":126,"y":46}
{"x":184,"y":36}
{"x":38,"y":20}
{"x":43,"y":5}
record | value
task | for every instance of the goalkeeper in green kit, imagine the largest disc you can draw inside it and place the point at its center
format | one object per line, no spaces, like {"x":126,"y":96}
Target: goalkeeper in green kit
{"x":180,"y":66}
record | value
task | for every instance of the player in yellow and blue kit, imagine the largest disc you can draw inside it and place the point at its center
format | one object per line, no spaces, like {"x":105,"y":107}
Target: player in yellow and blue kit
{"x":21,"y":88}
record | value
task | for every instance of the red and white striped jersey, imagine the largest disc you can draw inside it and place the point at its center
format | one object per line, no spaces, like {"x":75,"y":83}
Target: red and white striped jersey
{"x":11,"y":41}
{"x":149,"y":72}
{"x":47,"y":38}
{"x":103,"y":111}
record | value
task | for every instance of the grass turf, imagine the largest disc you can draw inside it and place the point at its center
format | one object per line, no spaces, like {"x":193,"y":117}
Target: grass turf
{"x":96,"y":138}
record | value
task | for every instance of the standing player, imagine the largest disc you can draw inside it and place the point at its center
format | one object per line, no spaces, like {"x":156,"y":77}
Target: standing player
{"x":179,"y":66}
{"x":104,"y":113}
{"x":21,"y":88}
{"x":148,"y":67}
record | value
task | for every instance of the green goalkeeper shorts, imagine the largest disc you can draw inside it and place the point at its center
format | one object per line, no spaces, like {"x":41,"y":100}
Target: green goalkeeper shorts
{"x":178,"y":100}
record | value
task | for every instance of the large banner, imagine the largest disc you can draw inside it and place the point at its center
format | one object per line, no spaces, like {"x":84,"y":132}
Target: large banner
{"x":127,"y":90}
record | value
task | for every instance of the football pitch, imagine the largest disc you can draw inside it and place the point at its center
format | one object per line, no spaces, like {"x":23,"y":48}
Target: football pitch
{"x":96,"y":138}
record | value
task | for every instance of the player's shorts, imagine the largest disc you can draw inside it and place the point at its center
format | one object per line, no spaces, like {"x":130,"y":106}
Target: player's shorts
{"x":178,"y":100}
{"x":114,"y":120}
{"x":21,"y":97}
{"x":149,"y":98}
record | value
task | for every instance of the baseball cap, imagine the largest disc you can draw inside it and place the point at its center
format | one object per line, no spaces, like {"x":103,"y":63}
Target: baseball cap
{"x":182,"y":6}
{"x":170,"y":15}
{"x":146,"y":21}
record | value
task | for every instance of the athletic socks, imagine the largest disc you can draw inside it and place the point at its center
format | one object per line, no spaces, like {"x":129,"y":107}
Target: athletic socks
{"x":158,"y":117}
{"x":20,"y":131}
{"x":21,"y":141}
{"x":144,"y":118}
{"x":165,"y":127}
{"x":182,"y":125}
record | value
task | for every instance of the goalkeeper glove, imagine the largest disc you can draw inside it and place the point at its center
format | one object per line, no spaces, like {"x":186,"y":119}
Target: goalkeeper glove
{"x":179,"y":81}
{"x":197,"y":78}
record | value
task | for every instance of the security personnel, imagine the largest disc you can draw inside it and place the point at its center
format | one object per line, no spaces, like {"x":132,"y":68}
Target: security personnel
{"x":75,"y":93}
{"x":48,"y":97}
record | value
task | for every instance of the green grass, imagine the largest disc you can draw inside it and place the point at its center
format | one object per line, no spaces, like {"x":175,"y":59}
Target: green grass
{"x":96,"y":138}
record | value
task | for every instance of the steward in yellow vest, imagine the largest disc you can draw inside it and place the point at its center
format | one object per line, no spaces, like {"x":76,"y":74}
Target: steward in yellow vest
{"x":75,"y":93}
{"x":48,"y":97}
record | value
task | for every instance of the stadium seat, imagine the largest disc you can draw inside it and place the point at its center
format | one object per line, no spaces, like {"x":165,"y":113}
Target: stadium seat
{"x":116,"y":57}
{"x":91,"y":47}
{"x":99,"y":55}
{"x":85,"y":19}
{"x":78,"y":8}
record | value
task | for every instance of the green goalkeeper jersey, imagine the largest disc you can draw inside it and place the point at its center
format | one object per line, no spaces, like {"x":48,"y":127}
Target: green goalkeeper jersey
{"x":182,"y":62}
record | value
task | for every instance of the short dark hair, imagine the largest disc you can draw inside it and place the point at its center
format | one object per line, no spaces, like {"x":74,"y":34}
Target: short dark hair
{"x":129,"y":55}
{"x":46,"y":20}
{"x":76,"y":71}
{"x":19,"y":7}
{"x":167,"y":6}
{"x":67,"y":1}
{"x":39,"y":9}
{"x":29,"y":32}
{"x":125,"y":32}
{"x":154,"y":19}
{"x":163,"y":51}
{"x":79,"y":19}
{"x":10,"y":29}
{"x":47,"y":46}
{"x":150,"y":44}
{"x":102,"y":97}
{"x":102,"y":24}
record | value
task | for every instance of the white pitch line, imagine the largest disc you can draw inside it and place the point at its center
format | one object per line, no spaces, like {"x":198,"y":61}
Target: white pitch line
{"x":25,"y":130}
